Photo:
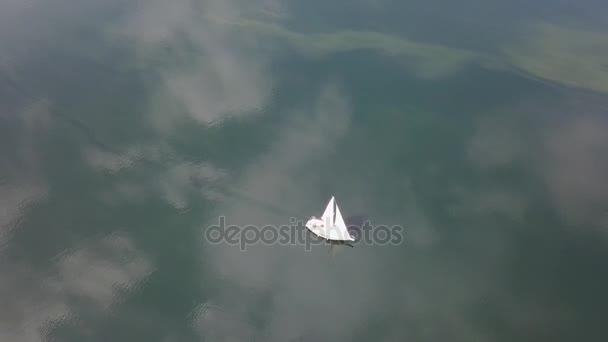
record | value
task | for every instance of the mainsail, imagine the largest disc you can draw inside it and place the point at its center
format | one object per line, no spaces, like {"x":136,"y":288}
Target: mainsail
{"x":334,"y":228}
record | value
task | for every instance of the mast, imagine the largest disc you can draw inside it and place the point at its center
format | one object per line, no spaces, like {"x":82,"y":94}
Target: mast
{"x":334,"y":220}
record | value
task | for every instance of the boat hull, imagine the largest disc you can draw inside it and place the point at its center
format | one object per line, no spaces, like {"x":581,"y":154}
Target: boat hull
{"x":317,"y":227}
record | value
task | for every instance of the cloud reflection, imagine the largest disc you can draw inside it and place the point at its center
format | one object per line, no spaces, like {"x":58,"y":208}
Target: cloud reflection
{"x":91,"y":278}
{"x":226,"y":77}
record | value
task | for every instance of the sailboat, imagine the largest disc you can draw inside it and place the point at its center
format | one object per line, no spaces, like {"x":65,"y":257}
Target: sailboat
{"x":330,"y":226}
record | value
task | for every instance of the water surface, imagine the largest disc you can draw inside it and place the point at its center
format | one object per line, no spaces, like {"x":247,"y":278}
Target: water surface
{"x":127,"y":128}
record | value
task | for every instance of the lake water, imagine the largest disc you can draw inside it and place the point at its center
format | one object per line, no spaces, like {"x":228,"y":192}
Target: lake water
{"x":476,"y":130}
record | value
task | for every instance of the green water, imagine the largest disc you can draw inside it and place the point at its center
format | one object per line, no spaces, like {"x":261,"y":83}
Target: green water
{"x":127,"y":128}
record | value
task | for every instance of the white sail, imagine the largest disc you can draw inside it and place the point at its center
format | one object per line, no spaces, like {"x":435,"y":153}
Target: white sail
{"x":328,"y":214}
{"x":342,"y":230}
{"x":333,"y":227}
